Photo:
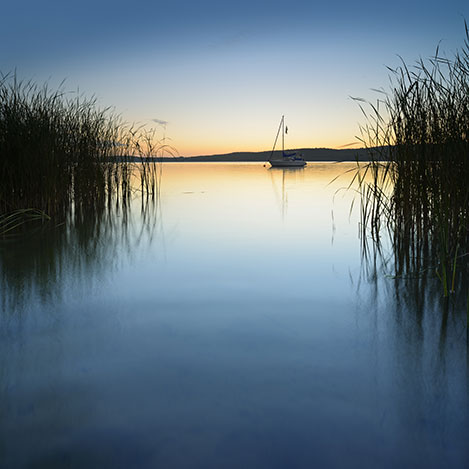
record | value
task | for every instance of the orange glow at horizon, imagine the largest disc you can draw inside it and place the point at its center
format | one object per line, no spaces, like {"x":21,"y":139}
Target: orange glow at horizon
{"x":221,"y":148}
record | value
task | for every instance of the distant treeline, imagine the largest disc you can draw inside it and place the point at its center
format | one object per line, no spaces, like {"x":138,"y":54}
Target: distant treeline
{"x":309,"y":154}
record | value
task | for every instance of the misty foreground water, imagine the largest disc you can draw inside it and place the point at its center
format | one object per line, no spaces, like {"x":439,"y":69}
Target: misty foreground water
{"x":233,"y":323}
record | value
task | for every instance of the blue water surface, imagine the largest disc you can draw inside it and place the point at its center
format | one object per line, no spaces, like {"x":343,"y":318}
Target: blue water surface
{"x":232,"y":323}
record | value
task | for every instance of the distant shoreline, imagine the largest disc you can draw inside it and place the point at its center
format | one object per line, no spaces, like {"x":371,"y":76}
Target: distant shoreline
{"x":309,"y":154}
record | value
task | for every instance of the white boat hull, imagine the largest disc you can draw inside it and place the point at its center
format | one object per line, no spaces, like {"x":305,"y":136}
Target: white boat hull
{"x":287,"y":163}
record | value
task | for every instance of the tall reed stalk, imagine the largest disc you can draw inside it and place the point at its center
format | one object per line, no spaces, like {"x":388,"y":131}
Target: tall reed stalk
{"x":418,"y":137}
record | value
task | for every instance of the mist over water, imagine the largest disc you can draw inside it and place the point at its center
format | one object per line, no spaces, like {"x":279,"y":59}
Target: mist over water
{"x":231,"y":323}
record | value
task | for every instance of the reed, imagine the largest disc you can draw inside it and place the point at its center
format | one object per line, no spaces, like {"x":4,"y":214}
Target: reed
{"x":418,"y":139}
{"x":59,"y":153}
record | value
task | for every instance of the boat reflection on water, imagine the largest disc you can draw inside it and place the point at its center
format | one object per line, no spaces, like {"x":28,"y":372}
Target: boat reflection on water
{"x":284,"y":178}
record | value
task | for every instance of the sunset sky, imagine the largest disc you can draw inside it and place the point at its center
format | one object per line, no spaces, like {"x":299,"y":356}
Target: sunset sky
{"x":221,"y":74}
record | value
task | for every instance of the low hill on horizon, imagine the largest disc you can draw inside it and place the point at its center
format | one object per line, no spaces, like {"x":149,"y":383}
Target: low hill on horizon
{"x":309,"y":154}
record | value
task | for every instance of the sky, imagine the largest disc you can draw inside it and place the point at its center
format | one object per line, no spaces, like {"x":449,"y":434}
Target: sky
{"x":216,"y":77}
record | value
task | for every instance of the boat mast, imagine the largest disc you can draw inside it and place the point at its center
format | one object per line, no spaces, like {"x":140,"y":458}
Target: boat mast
{"x":283,"y":136}
{"x":276,"y":138}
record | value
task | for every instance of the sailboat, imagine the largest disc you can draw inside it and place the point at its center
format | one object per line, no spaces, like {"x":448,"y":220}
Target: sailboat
{"x":287,"y":160}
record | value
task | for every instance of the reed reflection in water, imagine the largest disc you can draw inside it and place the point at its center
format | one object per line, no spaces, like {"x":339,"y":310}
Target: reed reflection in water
{"x":237,"y":326}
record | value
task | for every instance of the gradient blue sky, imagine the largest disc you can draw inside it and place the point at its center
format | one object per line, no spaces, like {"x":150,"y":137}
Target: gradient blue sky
{"x":222,"y":73}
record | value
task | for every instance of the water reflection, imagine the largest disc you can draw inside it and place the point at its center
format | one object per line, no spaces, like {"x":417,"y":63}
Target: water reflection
{"x":281,"y":179}
{"x":421,"y":340}
{"x":253,"y":342}
{"x":40,"y":265}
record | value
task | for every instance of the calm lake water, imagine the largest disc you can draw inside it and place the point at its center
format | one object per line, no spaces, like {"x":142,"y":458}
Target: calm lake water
{"x":232,"y":324}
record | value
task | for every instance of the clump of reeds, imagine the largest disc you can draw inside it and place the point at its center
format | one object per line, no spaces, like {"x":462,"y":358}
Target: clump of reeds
{"x":418,"y":136}
{"x":61,"y":153}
